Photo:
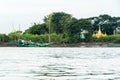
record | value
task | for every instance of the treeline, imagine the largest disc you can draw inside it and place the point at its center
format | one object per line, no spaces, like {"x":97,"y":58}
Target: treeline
{"x":63,"y":27}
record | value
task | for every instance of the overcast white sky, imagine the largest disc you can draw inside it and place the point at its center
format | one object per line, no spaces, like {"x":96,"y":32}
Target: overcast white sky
{"x":23,"y":13}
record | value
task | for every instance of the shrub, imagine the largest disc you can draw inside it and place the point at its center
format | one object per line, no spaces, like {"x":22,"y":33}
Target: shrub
{"x":4,"y":38}
{"x":31,"y":37}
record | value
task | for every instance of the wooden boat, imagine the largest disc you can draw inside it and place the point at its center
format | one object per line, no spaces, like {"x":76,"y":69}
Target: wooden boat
{"x":23,"y":43}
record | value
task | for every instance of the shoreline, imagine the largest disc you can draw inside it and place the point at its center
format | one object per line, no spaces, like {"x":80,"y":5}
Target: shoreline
{"x":6,"y":44}
{"x":81,"y":44}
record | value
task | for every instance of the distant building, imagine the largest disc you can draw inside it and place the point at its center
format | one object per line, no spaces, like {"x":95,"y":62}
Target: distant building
{"x":82,"y":33}
{"x":99,"y":34}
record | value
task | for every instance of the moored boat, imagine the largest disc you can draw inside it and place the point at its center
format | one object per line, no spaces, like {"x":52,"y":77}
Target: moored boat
{"x":23,"y":43}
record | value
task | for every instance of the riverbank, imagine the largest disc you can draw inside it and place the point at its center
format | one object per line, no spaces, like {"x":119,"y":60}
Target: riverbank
{"x":6,"y":44}
{"x":81,"y":44}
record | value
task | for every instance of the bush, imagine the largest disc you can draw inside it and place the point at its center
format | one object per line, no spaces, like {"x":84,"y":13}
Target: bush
{"x":57,"y":38}
{"x":4,"y":38}
{"x":31,"y":37}
{"x":44,"y":37}
{"x":14,"y":36}
{"x":116,"y":38}
{"x":110,"y":38}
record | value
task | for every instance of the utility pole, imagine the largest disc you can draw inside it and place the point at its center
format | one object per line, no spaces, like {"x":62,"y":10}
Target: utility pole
{"x":49,"y":29}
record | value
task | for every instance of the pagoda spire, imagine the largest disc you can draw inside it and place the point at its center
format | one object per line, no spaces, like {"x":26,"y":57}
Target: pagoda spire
{"x":99,"y":30}
{"x":99,"y":33}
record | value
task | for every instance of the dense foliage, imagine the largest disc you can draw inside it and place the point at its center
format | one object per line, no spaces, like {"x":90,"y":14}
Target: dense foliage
{"x":37,"y":29}
{"x":64,"y":28}
{"x":57,"y":21}
{"x":107,"y":23}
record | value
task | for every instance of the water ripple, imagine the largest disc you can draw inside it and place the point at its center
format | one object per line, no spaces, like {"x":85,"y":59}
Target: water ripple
{"x":60,"y":64}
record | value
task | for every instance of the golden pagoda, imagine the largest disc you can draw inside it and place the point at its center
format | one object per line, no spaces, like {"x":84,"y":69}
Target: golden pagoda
{"x":99,"y":34}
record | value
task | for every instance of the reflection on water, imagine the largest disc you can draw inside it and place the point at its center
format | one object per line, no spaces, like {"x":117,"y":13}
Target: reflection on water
{"x":59,"y":64}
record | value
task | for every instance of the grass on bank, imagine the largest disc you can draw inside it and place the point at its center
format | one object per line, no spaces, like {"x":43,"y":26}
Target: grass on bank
{"x":57,"y":38}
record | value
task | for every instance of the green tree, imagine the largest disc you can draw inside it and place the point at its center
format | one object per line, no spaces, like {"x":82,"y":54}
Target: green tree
{"x":75,"y":27}
{"x":57,"y":21}
{"x":107,"y":23}
{"x":4,"y":38}
{"x":15,"y":35}
{"x":37,"y":29}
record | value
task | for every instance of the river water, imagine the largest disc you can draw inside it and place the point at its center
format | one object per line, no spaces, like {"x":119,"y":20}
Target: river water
{"x":59,"y":64}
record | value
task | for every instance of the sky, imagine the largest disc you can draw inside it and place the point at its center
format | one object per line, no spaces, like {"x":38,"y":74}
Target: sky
{"x":21,"y":14}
